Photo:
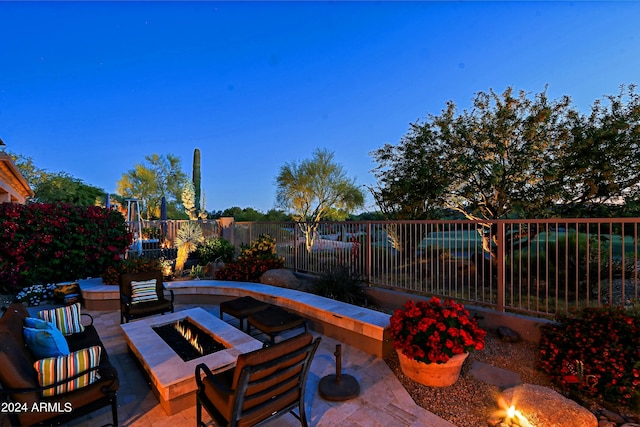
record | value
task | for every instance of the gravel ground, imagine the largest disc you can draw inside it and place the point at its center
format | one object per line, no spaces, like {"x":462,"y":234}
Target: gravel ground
{"x":469,"y":402}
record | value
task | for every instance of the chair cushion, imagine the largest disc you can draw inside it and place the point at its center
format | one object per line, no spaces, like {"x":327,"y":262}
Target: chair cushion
{"x":66,"y":319}
{"x":53,"y":369}
{"x":44,"y":340}
{"x":143,"y":291}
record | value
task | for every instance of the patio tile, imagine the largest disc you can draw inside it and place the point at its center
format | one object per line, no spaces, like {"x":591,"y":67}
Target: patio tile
{"x":382,"y":402}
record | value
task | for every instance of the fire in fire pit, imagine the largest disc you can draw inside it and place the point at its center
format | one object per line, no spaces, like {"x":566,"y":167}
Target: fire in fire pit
{"x":188,"y":340}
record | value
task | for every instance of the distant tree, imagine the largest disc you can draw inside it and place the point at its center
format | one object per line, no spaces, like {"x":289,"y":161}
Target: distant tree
{"x":63,"y":188}
{"x":159,"y":176}
{"x":312,"y":188}
{"x":243,"y":215}
{"x":251,"y":214}
{"x":367,"y":216}
{"x":56,"y":187}
{"x":276,"y":215}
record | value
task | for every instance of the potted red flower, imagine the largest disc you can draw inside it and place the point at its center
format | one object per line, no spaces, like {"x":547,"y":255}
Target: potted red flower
{"x":433,"y":338}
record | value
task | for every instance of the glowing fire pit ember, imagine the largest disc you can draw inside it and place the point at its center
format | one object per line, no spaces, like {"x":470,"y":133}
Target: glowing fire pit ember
{"x":188,"y":340}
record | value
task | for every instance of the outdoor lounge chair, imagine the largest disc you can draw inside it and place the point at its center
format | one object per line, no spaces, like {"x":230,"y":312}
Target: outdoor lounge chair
{"x":143,"y":294}
{"x":71,"y":385}
{"x":265,"y":383}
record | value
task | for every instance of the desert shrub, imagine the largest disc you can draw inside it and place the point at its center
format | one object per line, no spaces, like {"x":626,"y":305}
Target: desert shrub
{"x":188,"y":238}
{"x":197,"y":272}
{"x":49,"y":243}
{"x":253,"y":261}
{"x":603,"y":341}
{"x":264,"y":247}
{"x":214,"y":249}
{"x":343,"y":285}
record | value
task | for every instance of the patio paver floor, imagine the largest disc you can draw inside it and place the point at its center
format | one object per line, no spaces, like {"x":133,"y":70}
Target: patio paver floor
{"x":383,"y":401}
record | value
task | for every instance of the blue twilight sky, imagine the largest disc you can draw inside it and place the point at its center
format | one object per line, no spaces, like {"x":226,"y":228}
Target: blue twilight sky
{"x":91,"y":88}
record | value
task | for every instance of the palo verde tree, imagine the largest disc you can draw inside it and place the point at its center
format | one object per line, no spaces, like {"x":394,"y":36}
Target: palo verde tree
{"x":509,"y":155}
{"x":312,"y":188}
{"x":159,"y":176}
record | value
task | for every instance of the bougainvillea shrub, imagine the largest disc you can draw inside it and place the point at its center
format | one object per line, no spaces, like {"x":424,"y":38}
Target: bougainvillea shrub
{"x":49,"y":243}
{"x":604,"y":343}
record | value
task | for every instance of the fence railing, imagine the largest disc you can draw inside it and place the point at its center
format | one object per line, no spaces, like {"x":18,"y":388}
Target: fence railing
{"x":157,"y":239}
{"x":530,"y":266}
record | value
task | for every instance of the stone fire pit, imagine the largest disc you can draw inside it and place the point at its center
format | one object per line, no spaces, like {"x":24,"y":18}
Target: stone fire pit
{"x":172,"y":380}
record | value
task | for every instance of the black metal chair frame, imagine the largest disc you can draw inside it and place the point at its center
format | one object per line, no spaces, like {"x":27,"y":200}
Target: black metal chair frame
{"x":245,"y":381}
{"x":126,"y":302}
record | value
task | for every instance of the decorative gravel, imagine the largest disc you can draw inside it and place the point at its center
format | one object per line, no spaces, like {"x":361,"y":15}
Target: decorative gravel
{"x":470,"y":402}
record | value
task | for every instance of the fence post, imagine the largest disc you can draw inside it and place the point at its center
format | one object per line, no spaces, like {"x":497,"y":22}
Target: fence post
{"x":500,"y":258}
{"x":368,"y":254}
{"x":295,"y":246}
{"x":227,"y":227}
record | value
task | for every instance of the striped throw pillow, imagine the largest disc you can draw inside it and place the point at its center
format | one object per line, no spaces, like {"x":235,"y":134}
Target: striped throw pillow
{"x":54,"y":369}
{"x":143,"y":291}
{"x":67,"y":318}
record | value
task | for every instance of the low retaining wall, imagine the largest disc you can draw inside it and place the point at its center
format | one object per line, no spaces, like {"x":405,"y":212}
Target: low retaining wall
{"x":528,"y":327}
{"x":360,"y":327}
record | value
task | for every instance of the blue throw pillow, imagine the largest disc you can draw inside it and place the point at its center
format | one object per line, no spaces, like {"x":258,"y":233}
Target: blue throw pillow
{"x":45,"y":342}
{"x":36,"y":323}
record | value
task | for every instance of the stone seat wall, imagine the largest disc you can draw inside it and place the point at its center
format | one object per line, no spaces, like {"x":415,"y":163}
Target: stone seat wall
{"x":361,"y":327}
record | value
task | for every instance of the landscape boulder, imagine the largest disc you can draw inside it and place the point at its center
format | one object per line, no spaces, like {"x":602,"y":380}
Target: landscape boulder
{"x":280,"y":277}
{"x":544,"y":407}
{"x":507,"y":334}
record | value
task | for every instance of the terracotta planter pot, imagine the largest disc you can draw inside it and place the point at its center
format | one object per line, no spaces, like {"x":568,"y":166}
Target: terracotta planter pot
{"x":432,"y":374}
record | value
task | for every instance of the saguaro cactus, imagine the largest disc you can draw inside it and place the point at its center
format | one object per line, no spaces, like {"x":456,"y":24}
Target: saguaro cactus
{"x":197,"y":178}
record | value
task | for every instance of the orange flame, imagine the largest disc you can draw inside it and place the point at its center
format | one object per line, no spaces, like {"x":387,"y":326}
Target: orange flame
{"x":191,"y":338}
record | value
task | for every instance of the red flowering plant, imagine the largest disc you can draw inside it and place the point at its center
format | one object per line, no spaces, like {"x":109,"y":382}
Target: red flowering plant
{"x":433,"y":331}
{"x":595,"y":352}
{"x":49,"y":243}
{"x":253,"y":261}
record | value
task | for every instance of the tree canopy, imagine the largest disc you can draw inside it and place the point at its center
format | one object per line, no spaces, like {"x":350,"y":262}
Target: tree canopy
{"x":159,"y":176}
{"x":513,"y":155}
{"x":311,"y":188}
{"x":314,"y":188}
{"x":63,"y":188}
{"x":57,"y":187}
